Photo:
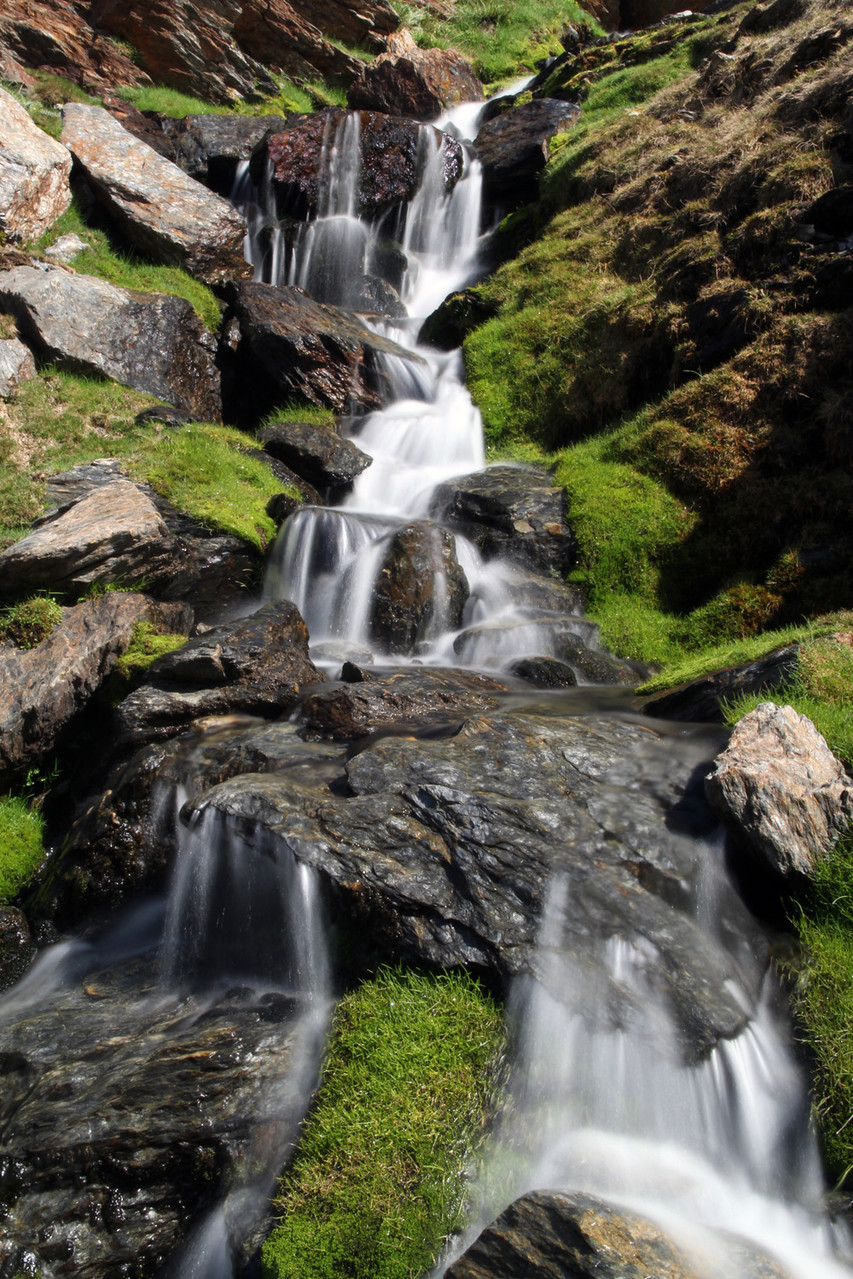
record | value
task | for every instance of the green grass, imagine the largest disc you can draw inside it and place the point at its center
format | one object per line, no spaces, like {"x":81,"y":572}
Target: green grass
{"x":62,"y":420}
{"x":29,"y":622}
{"x":146,"y":645}
{"x":128,"y":271}
{"x":502,"y":38}
{"x":300,"y":411}
{"x":377,"y":1183}
{"x":21,"y":845}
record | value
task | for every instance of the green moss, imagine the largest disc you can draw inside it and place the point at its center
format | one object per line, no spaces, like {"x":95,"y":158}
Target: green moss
{"x":21,"y":845}
{"x":300,"y":411}
{"x":127,"y":270}
{"x":146,"y":645}
{"x":378,"y":1180}
{"x":29,"y":622}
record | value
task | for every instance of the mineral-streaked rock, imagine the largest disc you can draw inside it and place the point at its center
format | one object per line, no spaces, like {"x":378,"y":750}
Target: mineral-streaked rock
{"x":16,"y":366}
{"x":161,"y":210}
{"x":781,"y":788}
{"x":416,"y":82}
{"x":34,"y":188}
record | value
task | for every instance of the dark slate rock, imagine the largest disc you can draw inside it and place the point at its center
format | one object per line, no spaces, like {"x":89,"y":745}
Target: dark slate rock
{"x":210,"y":147}
{"x":544,"y":672}
{"x":16,"y":946}
{"x":316,"y":453}
{"x":701,"y":700}
{"x":511,"y":511}
{"x":420,"y":590}
{"x":415,"y":82}
{"x":513,"y":147}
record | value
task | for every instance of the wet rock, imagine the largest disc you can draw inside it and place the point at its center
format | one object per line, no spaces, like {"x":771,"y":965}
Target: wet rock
{"x":149,"y":341}
{"x":781,"y":789}
{"x":389,"y":160}
{"x":164,"y":213}
{"x":210,"y":147}
{"x":441,"y":849}
{"x":113,"y":1147}
{"x":16,"y":366}
{"x":546,"y":1234}
{"x":510,"y":511}
{"x":16,"y":946}
{"x":514,"y":147}
{"x":406,"y":80}
{"x":317,"y":453}
{"x":701,"y":700}
{"x":55,"y":35}
{"x":257,"y":665}
{"x":420,"y":590}
{"x":44,"y":689}
{"x":458,"y":315}
{"x":34,"y":171}
{"x":405,"y":700}
{"x":544,"y":672}
{"x":297,"y":348}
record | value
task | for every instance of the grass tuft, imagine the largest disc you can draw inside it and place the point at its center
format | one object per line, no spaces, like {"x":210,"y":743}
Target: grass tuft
{"x":29,"y":622}
{"x":21,"y":845}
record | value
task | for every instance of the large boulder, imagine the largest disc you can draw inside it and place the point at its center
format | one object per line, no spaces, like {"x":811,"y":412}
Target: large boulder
{"x":44,"y":689}
{"x":150,"y":341}
{"x":316,"y":453}
{"x":511,"y":511}
{"x":292,"y":347}
{"x":420,"y":590}
{"x":34,"y":172}
{"x":406,"y":80}
{"x":161,"y":210}
{"x":389,"y":160}
{"x":782,"y":790}
{"x":54,"y":35}
{"x":257,"y":665}
{"x":513,"y":148}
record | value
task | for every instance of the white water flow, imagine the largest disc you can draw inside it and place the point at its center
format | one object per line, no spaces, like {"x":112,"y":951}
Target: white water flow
{"x":327,"y":561}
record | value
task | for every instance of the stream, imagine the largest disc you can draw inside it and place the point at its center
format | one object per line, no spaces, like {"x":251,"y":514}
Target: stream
{"x":618,"y":1087}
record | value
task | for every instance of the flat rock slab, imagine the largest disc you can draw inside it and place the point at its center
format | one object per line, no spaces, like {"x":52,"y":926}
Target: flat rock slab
{"x":511,"y":511}
{"x":34,"y":172}
{"x":43,"y":689}
{"x":161,"y":210}
{"x":701,"y":700}
{"x":210,"y":147}
{"x":781,"y":789}
{"x":316,"y":453}
{"x":152,"y":342}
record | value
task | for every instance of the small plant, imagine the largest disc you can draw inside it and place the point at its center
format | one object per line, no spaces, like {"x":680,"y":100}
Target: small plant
{"x":21,"y":845}
{"x":30,"y":622}
{"x":146,"y":645}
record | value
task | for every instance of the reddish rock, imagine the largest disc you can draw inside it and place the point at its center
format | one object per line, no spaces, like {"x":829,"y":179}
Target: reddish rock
{"x":281,"y":37}
{"x":366,"y":25}
{"x":54,"y":35}
{"x":415,"y":82}
{"x":34,"y":171}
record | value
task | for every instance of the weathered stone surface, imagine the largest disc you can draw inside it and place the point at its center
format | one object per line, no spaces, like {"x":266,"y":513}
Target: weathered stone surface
{"x":160,"y":209}
{"x":366,"y":25}
{"x":548,"y":1235}
{"x":16,"y":946}
{"x":440,"y":850}
{"x":511,"y":511}
{"x":303,"y":349}
{"x":287,"y":38}
{"x":150,"y":341}
{"x":406,"y":80}
{"x":43,"y":689}
{"x":257,"y":665}
{"x":54,"y":35}
{"x":115,"y":1145}
{"x":702,"y":699}
{"x":317,"y":453}
{"x":16,"y":366}
{"x":513,"y":148}
{"x":209,"y":147}
{"x":544,"y":672}
{"x":781,"y":788}
{"x":65,"y":249}
{"x":34,"y":170}
{"x":421,"y":589}
{"x":389,"y":158}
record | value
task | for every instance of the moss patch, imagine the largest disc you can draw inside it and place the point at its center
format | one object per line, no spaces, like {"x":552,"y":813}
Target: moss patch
{"x":146,"y":645}
{"x":21,"y":845}
{"x":29,"y":622}
{"x":377,"y":1183}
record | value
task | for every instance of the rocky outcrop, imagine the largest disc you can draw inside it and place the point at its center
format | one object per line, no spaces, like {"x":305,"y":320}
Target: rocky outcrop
{"x":545,"y":1235}
{"x":257,"y":665}
{"x":511,"y":511}
{"x":420,"y":589}
{"x":781,"y":789}
{"x":292,"y":347}
{"x":389,"y":157}
{"x":149,"y":341}
{"x":162,"y":211}
{"x":702,"y":700}
{"x":34,"y":172}
{"x":210,"y":147}
{"x":53,"y":35}
{"x":316,"y":453}
{"x":514,"y":147}
{"x":406,"y":80}
{"x":16,"y":366}
{"x":44,"y":689}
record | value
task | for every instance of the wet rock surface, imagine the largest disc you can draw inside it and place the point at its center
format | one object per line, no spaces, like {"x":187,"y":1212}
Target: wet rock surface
{"x":514,"y":148}
{"x":778,"y":785}
{"x":210,"y":147}
{"x":443,"y":849}
{"x":44,"y":689}
{"x":34,"y":172}
{"x":316,"y":453}
{"x":162,"y":211}
{"x":416,"y":82}
{"x":149,"y":341}
{"x":421,"y":589}
{"x":511,"y":511}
